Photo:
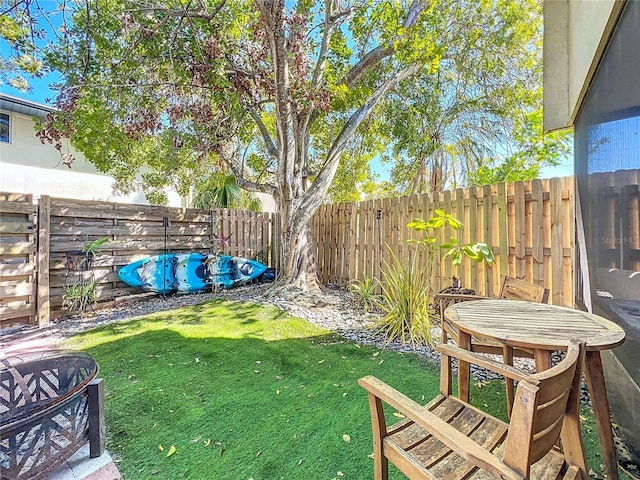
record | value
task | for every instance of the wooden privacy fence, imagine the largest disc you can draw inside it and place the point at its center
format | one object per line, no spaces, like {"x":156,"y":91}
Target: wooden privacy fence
{"x":528,"y":225}
{"x":65,"y":226}
{"x":17,"y":259}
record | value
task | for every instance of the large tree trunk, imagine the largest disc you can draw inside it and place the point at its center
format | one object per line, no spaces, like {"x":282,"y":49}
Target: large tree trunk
{"x":298,"y":201}
{"x":299,"y":259}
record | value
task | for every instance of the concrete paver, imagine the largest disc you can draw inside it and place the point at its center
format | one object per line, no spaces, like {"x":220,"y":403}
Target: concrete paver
{"x":81,"y":467}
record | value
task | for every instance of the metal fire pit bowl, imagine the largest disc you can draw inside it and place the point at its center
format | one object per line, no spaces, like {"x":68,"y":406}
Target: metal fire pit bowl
{"x":50,"y":405}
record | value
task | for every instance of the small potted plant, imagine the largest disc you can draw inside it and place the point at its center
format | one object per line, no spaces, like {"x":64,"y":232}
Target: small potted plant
{"x":81,"y":261}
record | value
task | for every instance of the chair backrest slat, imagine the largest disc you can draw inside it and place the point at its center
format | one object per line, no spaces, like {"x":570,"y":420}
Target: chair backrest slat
{"x":515,"y":289}
{"x":543,"y":441}
{"x":538,"y":412}
{"x":549,"y":412}
{"x":554,"y":387}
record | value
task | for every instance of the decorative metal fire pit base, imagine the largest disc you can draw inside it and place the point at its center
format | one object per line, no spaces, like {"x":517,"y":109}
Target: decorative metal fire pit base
{"x":50,"y":405}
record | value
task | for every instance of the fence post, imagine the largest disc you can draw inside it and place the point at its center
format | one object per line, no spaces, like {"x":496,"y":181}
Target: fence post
{"x":276,"y":251}
{"x":503,"y":231}
{"x":44,"y":221}
{"x":557,"y":250}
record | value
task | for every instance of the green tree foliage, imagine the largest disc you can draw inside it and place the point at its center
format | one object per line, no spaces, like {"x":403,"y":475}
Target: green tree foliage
{"x":477,"y":107}
{"x":535,"y":150}
{"x":280,"y":94}
{"x":222,"y":191}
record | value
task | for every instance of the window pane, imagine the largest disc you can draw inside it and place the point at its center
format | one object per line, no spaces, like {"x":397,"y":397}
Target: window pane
{"x":4,"y":128}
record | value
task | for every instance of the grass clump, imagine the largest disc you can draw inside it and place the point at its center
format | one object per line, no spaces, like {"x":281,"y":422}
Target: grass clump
{"x":237,"y":391}
{"x":365,"y":290}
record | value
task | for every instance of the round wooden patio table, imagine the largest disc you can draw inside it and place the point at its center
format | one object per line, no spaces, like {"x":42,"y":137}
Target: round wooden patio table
{"x":543,"y":328}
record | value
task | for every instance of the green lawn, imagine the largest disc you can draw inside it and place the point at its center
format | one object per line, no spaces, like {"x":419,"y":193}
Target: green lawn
{"x":244,"y":391}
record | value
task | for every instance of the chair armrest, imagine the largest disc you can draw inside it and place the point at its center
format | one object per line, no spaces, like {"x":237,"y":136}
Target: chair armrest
{"x":482,"y":361}
{"x":452,"y":438}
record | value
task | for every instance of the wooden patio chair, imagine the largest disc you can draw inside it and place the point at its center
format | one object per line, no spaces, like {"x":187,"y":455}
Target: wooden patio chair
{"x":450,"y":439}
{"x":512,"y":289}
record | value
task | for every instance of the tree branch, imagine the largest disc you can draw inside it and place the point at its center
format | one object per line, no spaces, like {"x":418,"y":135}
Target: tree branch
{"x":330,"y":22}
{"x":254,"y":186}
{"x":272,"y":12}
{"x":375,"y":56}
{"x":181,"y":13}
{"x":229,"y":155}
{"x":325,"y":176}
{"x":271,"y":147}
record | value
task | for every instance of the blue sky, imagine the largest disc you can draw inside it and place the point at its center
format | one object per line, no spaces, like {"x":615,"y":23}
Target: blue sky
{"x":40,"y":91}
{"x":565,"y":170}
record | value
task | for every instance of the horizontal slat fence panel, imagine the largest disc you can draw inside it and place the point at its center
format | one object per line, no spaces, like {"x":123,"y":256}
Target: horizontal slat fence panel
{"x":138,"y":231}
{"x":65,"y":227}
{"x":17,"y":260}
{"x":528,"y":225}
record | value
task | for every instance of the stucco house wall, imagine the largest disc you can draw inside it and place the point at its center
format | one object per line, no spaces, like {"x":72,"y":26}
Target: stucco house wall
{"x":31,"y":167}
{"x":576,"y":33}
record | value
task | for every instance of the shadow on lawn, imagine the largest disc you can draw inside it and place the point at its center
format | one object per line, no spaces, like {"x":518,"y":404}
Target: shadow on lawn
{"x":210,"y":314}
{"x":268,"y":407}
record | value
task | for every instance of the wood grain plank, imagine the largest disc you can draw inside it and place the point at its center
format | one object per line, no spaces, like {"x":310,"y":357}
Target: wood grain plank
{"x":43,"y":299}
{"x":503,"y":232}
{"x":520,"y":231}
{"x":557,"y":235}
{"x":26,"y":207}
{"x":10,"y":312}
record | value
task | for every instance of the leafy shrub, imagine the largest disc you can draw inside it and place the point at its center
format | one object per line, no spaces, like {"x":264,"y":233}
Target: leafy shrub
{"x":366,"y":292}
{"x":478,"y":252}
{"x":406,"y":291}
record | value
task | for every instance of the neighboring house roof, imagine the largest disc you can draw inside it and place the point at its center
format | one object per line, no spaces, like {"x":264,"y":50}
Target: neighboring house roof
{"x":25,"y":107}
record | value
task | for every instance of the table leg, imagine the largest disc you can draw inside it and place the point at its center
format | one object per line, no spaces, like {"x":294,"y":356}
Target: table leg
{"x":464,"y":371}
{"x":542,"y":359}
{"x":600,"y":405}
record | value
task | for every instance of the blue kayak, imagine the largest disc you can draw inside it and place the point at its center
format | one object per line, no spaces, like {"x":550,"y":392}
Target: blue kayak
{"x":189,"y":272}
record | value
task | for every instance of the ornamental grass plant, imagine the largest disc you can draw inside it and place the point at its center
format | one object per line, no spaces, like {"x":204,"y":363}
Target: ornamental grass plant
{"x":365,"y":291}
{"x":404,"y":302}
